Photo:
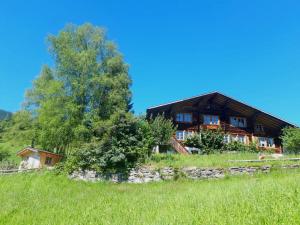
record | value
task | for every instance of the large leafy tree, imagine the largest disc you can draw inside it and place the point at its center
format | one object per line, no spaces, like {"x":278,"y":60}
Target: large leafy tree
{"x":88,"y":83}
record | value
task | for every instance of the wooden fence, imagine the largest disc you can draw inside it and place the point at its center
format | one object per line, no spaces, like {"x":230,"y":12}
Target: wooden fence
{"x":13,"y":171}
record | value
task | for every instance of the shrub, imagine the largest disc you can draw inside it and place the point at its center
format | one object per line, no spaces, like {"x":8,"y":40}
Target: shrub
{"x":125,"y":143}
{"x":291,"y":139}
{"x":193,"y":141}
{"x":236,"y":146}
{"x":208,"y":141}
{"x":162,"y":130}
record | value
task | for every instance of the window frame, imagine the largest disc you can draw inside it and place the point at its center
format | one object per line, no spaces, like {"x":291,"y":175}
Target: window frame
{"x":262,"y":128}
{"x":184,"y":134}
{"x":239,"y":138}
{"x":183,"y":115}
{"x":227,"y":138}
{"x":211,"y":116}
{"x":181,"y":132}
{"x":267,"y":141}
{"x":238,"y":122}
{"x":48,"y":160}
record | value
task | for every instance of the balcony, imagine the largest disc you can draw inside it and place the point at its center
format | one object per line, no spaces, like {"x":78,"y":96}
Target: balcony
{"x":227,"y":128}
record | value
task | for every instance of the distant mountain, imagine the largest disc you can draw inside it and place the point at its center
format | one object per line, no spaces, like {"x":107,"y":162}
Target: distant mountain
{"x":4,"y":114}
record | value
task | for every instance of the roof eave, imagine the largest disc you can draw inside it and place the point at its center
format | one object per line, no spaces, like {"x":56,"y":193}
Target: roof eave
{"x":216,"y":92}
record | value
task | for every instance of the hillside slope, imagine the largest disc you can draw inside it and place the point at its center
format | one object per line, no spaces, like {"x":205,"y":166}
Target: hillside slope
{"x":43,"y":198}
{"x":4,"y":114}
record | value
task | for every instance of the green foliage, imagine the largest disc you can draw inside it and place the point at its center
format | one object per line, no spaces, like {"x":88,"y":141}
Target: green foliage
{"x":291,"y":139}
{"x":208,"y":141}
{"x":88,"y":84}
{"x":236,"y":146}
{"x":123,"y":141}
{"x":193,"y":141}
{"x":19,"y":128}
{"x":126,"y":142}
{"x":212,"y":141}
{"x":81,"y":106}
{"x":4,"y":154}
{"x":162,"y":130}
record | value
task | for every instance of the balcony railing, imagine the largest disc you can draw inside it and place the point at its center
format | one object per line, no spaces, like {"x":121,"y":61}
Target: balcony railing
{"x":227,"y":128}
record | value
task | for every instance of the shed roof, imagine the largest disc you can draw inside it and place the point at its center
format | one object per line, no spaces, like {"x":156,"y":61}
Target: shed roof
{"x":36,"y":150}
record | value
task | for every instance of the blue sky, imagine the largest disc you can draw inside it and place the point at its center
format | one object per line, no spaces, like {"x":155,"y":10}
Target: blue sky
{"x":176,"y":49}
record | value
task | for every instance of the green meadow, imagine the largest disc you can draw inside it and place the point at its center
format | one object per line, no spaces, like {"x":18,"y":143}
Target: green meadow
{"x":218,"y":160}
{"x":46,"y":198}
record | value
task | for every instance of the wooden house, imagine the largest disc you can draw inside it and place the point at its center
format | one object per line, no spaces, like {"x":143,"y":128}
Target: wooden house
{"x":33,"y":158}
{"x":239,"y":121}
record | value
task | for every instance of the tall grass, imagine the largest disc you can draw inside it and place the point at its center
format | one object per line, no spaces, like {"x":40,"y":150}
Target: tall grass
{"x":44,"y":198}
{"x":214,"y":160}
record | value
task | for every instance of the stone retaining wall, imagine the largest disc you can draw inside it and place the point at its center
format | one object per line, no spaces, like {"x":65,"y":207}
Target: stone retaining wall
{"x":148,"y":174}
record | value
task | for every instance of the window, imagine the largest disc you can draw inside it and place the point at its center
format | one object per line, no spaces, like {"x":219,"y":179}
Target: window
{"x":266,"y":142}
{"x":238,"y":121}
{"x":187,"y":117}
{"x":182,"y":135}
{"x":184,"y":117}
{"x":239,"y":138}
{"x":259,"y":128}
{"x":210,"y":120}
{"x":48,"y":161}
{"x":179,"y":117}
{"x":227,"y":139}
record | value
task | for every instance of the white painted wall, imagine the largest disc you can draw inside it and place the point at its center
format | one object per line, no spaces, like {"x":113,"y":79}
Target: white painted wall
{"x":34,"y":161}
{"x":31,"y":162}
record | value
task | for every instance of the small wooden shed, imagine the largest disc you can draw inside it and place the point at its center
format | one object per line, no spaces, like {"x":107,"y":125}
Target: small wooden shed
{"x":33,"y":158}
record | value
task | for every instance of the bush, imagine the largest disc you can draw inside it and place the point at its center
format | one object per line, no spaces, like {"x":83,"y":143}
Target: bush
{"x":235,"y":146}
{"x":291,"y":139}
{"x":193,"y":141}
{"x":125,"y":143}
{"x":162,"y":130}
{"x":208,"y":141}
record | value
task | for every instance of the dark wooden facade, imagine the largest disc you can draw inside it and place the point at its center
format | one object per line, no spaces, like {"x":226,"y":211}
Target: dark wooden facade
{"x":258,"y":125}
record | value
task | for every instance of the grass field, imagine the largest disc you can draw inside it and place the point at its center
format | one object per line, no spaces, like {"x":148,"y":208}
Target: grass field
{"x":215,"y":160}
{"x":46,"y":198}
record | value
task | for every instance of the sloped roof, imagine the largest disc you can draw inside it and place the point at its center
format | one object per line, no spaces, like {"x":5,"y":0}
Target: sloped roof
{"x":36,"y":150}
{"x":236,"y":105}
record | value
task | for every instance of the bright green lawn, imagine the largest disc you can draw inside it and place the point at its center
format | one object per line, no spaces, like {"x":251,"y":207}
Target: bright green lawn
{"x":44,"y":198}
{"x":214,"y":160}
